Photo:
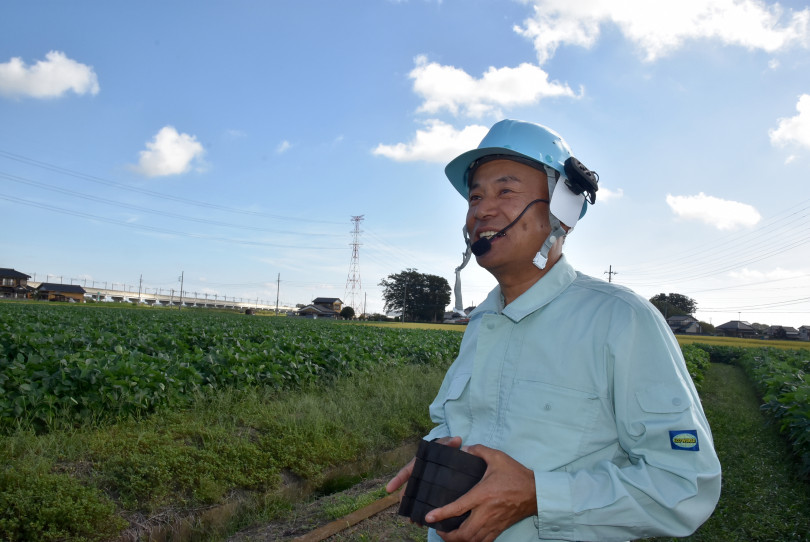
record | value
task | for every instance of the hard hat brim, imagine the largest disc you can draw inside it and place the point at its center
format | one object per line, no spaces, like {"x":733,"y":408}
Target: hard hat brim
{"x":457,"y":169}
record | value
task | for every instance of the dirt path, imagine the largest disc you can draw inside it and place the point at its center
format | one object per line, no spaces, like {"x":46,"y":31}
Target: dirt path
{"x":306,"y":518}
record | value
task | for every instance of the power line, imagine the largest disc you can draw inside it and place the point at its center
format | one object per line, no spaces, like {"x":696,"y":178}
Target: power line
{"x":169,"y":214}
{"x":144,"y":227}
{"x":161,"y":195}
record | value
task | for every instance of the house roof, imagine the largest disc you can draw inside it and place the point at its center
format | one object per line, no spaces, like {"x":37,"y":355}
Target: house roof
{"x":737,"y":325}
{"x":328,"y":300}
{"x":60,"y":288}
{"x":681,"y":318}
{"x":320,"y":309}
{"x":787,"y":329}
{"x":12,"y":274}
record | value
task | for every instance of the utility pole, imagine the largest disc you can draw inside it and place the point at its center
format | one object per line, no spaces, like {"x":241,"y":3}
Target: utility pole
{"x":278,"y":285}
{"x":611,"y":273}
{"x":180,"y":306}
{"x":140,"y":285}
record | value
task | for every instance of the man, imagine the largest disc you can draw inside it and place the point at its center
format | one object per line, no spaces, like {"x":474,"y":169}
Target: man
{"x":573,"y":390}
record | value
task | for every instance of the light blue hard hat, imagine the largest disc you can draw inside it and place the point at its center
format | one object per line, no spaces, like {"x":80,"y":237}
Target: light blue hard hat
{"x":525,"y":140}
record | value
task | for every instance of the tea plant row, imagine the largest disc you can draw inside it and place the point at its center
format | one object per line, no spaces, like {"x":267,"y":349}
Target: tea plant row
{"x":782,"y":379}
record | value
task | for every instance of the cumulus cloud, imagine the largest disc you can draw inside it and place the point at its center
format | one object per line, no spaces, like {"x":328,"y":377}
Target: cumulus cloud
{"x":169,"y":153}
{"x":720,"y":213}
{"x":48,"y":78}
{"x":794,"y":131}
{"x":438,"y":142}
{"x":660,"y":27}
{"x":454,"y":90}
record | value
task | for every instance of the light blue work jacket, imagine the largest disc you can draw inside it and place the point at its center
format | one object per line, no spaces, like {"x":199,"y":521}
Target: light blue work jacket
{"x":583,"y":382}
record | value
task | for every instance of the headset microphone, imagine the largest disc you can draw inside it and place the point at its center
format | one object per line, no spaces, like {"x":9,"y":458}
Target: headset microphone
{"x":483,"y":245}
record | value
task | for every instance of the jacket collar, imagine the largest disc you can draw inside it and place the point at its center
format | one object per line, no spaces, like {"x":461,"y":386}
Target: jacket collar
{"x":540,"y":294}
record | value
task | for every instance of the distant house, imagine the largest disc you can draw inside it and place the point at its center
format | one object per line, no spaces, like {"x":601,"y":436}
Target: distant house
{"x":737,"y":328}
{"x":329,"y":302}
{"x":14,"y":284}
{"x":61,"y":292}
{"x":804,"y":333}
{"x":782,"y":332}
{"x":322,"y":307}
{"x":684,"y":325}
{"x":455,"y":317}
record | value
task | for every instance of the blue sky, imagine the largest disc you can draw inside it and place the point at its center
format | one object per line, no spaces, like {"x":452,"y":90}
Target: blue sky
{"x":233,"y":142}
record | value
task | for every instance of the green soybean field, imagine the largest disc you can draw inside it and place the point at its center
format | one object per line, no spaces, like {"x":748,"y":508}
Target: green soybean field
{"x":66,"y":365}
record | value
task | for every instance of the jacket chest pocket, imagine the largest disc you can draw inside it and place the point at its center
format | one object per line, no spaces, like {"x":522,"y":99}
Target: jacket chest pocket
{"x":548,"y":425}
{"x":457,"y":407}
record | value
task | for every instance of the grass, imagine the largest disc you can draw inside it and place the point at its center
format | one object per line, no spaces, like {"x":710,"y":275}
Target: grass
{"x":418,"y":325}
{"x":242,"y":448}
{"x":742,"y":343}
{"x":345,"y":505}
{"x":235,"y":446}
{"x":763,"y":498}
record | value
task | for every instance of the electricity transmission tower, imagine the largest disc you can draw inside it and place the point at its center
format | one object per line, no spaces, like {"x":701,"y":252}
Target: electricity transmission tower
{"x":353,"y":285}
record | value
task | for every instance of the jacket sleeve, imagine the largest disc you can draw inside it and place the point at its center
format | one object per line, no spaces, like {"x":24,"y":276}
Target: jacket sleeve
{"x":666,"y":478}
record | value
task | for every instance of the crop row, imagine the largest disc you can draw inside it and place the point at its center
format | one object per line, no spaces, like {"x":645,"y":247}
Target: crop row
{"x":70,"y":365}
{"x":782,"y":379}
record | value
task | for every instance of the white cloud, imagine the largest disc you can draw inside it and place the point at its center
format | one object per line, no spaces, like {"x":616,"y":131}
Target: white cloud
{"x":720,"y":213}
{"x":283,"y":147}
{"x":235,"y":134}
{"x":663,"y":26}
{"x":452,"y":89}
{"x":48,"y":78}
{"x":169,"y":153}
{"x":794,"y":130}
{"x":606,"y":194}
{"x":439,"y":142}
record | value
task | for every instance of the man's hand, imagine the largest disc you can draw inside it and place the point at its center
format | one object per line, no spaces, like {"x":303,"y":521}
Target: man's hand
{"x":505,"y":495}
{"x":401,"y":479}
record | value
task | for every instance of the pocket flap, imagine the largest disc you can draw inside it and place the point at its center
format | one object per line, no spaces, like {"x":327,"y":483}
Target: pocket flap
{"x":663,"y":399}
{"x":457,"y":386}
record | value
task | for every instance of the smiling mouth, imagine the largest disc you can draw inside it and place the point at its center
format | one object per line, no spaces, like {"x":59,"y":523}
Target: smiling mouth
{"x":489,"y":234}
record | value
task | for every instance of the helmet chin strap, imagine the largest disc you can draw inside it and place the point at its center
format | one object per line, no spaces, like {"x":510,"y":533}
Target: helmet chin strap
{"x":557,"y":230}
{"x":541,"y":258}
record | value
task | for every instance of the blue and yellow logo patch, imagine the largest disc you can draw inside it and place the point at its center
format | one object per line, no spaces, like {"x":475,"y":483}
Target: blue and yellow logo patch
{"x":684,"y":440}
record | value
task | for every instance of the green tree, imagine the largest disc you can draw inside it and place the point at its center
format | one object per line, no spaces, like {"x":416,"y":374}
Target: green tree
{"x":674,"y":304}
{"x":420,"y":297}
{"x":347,"y":313}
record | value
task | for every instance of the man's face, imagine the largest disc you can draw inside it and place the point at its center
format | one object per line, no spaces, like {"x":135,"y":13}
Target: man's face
{"x":499,"y":191}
